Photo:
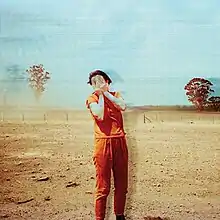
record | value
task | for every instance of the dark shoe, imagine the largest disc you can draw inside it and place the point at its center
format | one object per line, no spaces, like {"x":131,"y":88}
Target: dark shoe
{"x":120,"y":217}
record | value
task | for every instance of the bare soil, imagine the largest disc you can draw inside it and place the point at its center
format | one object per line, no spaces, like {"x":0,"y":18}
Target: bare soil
{"x":47,"y":170}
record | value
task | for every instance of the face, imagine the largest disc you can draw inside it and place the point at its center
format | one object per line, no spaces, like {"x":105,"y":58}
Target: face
{"x":98,"y":81}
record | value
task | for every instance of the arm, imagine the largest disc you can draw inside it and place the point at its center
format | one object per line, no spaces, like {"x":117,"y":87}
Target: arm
{"x":117,"y":101}
{"x":97,"y":109}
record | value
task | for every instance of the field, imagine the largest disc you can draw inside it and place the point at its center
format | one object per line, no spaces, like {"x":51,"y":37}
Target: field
{"x":47,"y":170}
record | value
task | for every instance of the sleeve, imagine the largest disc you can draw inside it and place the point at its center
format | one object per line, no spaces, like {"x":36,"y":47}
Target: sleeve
{"x":90,"y":99}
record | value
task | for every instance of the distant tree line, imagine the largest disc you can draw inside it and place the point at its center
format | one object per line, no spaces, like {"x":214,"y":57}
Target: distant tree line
{"x":199,"y":92}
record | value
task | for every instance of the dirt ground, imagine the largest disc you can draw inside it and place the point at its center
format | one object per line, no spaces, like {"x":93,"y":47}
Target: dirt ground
{"x":47,"y":170}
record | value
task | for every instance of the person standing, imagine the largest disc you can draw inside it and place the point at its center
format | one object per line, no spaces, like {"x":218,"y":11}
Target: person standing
{"x":110,"y":150}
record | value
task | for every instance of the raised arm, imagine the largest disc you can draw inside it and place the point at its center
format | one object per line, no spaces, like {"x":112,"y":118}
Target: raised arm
{"x":97,"y":109}
{"x":117,"y":101}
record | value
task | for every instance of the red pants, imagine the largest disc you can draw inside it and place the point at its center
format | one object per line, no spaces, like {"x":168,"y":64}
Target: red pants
{"x":111,"y":154}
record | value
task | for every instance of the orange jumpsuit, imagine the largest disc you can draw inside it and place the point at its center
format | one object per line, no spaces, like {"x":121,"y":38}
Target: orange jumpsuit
{"x":110,"y":154}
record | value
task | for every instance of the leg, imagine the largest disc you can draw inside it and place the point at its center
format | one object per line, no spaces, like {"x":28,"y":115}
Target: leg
{"x":103,"y":164}
{"x":120,"y":172}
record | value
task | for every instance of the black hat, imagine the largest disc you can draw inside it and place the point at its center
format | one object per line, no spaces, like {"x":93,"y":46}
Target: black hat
{"x":100,"y":73}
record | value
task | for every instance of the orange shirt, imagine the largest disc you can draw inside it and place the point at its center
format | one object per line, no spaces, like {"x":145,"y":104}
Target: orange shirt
{"x":112,"y":124}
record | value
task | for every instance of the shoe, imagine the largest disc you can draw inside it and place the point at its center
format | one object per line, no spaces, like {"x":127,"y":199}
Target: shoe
{"x":120,"y":217}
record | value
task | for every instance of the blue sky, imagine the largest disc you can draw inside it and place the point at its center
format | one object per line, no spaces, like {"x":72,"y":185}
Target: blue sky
{"x":157,"y":38}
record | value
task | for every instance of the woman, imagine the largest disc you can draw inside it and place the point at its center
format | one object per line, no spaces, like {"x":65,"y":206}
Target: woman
{"x":110,"y":144}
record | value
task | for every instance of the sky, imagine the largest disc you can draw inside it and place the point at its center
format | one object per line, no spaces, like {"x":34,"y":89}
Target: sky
{"x":135,"y":39}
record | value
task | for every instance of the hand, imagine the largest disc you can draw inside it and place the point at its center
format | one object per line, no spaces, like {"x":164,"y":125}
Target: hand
{"x":104,"y":87}
{"x":99,"y":85}
{"x":98,"y":91}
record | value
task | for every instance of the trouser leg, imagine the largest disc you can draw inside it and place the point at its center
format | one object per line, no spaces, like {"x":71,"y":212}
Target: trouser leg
{"x":103,"y":165}
{"x":120,"y":173}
